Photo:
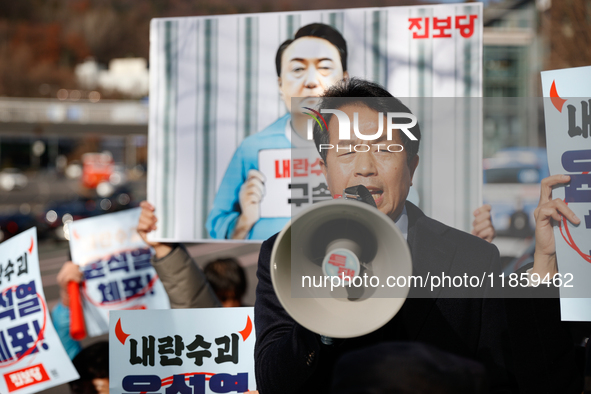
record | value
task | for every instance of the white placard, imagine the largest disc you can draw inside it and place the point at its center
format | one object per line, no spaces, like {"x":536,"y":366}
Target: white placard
{"x":32,"y":357}
{"x":293,"y":181}
{"x":208,"y":350}
{"x":567,"y":111}
{"x":116,"y":266}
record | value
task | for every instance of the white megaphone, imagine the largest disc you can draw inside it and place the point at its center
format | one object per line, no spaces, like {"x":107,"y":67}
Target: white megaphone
{"x":342,"y":238}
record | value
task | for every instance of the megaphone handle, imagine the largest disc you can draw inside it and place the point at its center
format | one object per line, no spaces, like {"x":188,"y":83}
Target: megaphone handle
{"x":326,"y":340}
{"x":77,"y":329}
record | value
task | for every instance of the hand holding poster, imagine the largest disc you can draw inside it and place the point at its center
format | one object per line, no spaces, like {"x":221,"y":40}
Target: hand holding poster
{"x":32,"y":357}
{"x":196,"y":351}
{"x":116,"y":266}
{"x":567,"y":111}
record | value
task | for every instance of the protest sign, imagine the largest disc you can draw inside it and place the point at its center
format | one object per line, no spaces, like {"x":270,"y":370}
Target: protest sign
{"x":567,"y":114}
{"x":32,"y":357}
{"x":195,"y":350}
{"x":294,"y":180}
{"x":215,"y":103}
{"x":116,"y":266}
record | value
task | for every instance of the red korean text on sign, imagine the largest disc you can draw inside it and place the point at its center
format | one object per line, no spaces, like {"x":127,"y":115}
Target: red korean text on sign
{"x":282,"y":168}
{"x":466,"y":28}
{"x":25,"y":377}
{"x":442,"y":27}
{"x":300,"y":167}
{"x":416,"y":23}
{"x":317,"y":170}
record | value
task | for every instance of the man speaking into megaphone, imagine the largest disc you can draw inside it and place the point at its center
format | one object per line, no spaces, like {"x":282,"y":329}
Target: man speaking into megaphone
{"x":292,"y":359}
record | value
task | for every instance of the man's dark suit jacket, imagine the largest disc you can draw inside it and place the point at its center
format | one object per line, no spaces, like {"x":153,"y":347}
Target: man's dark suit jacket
{"x":291,"y":359}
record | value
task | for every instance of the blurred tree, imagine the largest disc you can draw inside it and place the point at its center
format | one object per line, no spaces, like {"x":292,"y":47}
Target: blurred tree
{"x":41,"y":41}
{"x":566,"y":25}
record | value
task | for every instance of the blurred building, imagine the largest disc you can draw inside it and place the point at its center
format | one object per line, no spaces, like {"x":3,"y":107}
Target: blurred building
{"x":69,"y":127}
{"x":513,"y":54}
{"x":47,"y":175}
{"x":521,"y":39}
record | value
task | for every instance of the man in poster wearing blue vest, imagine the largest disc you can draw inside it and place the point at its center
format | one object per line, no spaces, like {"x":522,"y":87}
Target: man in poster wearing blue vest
{"x":306,"y":66}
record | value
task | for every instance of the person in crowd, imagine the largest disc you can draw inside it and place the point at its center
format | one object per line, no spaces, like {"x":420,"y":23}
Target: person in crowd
{"x":228,"y":280}
{"x":184,"y":282}
{"x":60,"y":315}
{"x":92,"y":364}
{"x":172,"y":263}
{"x":518,"y":341}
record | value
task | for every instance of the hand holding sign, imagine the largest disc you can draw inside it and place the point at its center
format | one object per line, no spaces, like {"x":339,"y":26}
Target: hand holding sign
{"x":69,"y":272}
{"x":251,"y":194}
{"x":482,"y":225}
{"x":146,"y":224}
{"x":548,"y":209}
{"x":69,"y":279}
{"x":116,"y":264}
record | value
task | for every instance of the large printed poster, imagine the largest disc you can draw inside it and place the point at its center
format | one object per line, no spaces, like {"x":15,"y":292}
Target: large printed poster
{"x":32,"y":357}
{"x":220,"y":96}
{"x":116,"y":266}
{"x":567,"y":112}
{"x":203,"y":350}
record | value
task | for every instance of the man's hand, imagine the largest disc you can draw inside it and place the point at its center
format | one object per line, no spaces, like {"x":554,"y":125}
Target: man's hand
{"x":147,"y":224}
{"x":68,"y":273}
{"x":548,"y":209}
{"x":482,"y":225}
{"x":251,"y":194}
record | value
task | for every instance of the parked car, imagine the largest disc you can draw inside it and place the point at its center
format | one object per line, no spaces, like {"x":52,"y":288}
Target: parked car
{"x":14,"y":223}
{"x":512,"y":187}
